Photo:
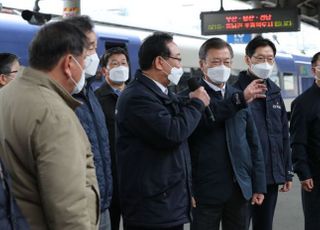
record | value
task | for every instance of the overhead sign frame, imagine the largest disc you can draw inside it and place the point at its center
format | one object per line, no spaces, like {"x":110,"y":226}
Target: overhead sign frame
{"x":250,"y":21}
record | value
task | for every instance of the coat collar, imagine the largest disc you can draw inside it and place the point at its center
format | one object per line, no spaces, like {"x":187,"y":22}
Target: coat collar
{"x":245,"y":78}
{"x":42,"y":79}
{"x":229,"y":90}
{"x":106,"y":90}
{"x":150,"y":85}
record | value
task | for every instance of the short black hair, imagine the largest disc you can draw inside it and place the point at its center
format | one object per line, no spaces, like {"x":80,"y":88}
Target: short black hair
{"x":213,"y":43}
{"x":109,"y":52}
{"x":6,"y":61}
{"x":83,"y":22}
{"x":153,"y":46}
{"x":48,"y":46}
{"x":315,"y":58}
{"x":257,"y":42}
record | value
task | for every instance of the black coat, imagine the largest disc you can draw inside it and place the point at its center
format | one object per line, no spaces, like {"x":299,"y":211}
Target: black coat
{"x":271,"y":120}
{"x":108,"y":100}
{"x":225,"y":150}
{"x":93,"y":122}
{"x":153,"y":156}
{"x":11,"y":217}
{"x":305,"y":133}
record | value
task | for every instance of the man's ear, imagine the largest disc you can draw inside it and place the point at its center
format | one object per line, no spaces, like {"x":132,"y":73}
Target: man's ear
{"x":247,"y":60}
{"x":158,"y":63}
{"x":201,"y":64}
{"x":67,"y":64}
{"x":3,"y":79}
{"x":104,"y":71}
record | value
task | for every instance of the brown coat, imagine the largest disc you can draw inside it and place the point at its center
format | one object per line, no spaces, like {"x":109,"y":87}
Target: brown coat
{"x":47,"y":154}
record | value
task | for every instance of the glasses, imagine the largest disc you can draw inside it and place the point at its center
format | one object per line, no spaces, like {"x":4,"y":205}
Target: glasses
{"x":262,"y":59}
{"x":176,"y":58}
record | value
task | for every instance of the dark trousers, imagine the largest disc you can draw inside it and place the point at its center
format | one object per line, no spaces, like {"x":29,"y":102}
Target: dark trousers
{"x":311,"y":206}
{"x":234,"y":214}
{"x":262,"y":215}
{"x":115,"y":212}
{"x":180,"y":227}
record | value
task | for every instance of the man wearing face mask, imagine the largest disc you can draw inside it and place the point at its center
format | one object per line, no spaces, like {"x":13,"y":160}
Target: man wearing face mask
{"x":152,"y":151}
{"x":42,"y":142}
{"x":115,"y":67}
{"x":305,"y":141}
{"x":92,"y":119}
{"x":226,"y":156}
{"x":9,"y":67}
{"x":271,"y":120}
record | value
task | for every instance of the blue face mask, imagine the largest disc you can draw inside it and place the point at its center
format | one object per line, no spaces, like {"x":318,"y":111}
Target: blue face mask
{"x":78,"y":86}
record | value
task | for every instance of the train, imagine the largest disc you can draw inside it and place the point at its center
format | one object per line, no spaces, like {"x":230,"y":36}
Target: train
{"x":291,"y":72}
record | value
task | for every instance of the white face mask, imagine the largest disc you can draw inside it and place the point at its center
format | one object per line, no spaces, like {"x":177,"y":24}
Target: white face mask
{"x":175,"y":74}
{"x":78,"y":86}
{"x":119,"y":74}
{"x":219,"y":74}
{"x":262,"y":70}
{"x":91,"y":64}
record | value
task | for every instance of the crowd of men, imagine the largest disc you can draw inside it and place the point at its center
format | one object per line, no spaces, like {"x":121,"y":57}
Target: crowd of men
{"x":73,"y":157}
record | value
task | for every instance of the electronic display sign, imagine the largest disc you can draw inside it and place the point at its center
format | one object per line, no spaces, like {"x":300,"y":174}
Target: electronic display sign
{"x":250,"y":21}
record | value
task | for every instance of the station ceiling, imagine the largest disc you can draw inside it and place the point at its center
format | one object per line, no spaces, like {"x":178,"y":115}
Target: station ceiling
{"x":310,"y":9}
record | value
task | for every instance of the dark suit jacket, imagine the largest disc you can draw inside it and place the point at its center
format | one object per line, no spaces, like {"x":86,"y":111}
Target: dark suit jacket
{"x":153,"y":156}
{"x":211,"y":181}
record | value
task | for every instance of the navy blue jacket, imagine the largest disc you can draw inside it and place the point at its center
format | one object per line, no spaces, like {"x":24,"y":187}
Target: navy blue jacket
{"x":93,"y":121}
{"x":239,"y":158}
{"x":271,"y":120}
{"x":305,"y":134}
{"x":11,"y":217}
{"x":154,"y":165}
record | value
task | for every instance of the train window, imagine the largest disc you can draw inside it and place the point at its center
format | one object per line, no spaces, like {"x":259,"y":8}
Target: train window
{"x":289,"y":85}
{"x":288,"y":82}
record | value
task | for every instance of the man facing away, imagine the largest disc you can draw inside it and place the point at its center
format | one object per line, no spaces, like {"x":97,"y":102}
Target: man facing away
{"x":305,"y":144}
{"x":227,"y":159}
{"x":115,"y":68}
{"x":92,"y":120}
{"x":42,"y":141}
{"x":9,"y":67}
{"x":271,"y":120}
{"x":152,"y":130}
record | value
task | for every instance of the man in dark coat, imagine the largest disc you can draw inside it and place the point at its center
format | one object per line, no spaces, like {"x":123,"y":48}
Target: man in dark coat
{"x":152,"y":130}
{"x":115,"y":68}
{"x":93,"y":121}
{"x":270,"y":117}
{"x":227,"y":159}
{"x":305,"y":143}
{"x":11,"y":217}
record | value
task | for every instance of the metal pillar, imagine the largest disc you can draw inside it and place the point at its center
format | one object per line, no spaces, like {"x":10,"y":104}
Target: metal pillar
{"x":71,"y":8}
{"x":256,"y":4}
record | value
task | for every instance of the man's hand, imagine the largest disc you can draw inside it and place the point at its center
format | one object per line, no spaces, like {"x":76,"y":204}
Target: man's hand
{"x":286,"y":187}
{"x":257,"y":198}
{"x":193,"y":202}
{"x":307,"y":185}
{"x":256,"y":89}
{"x":201,"y":94}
